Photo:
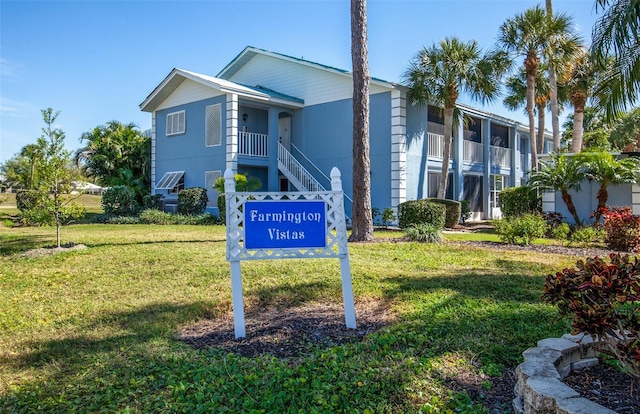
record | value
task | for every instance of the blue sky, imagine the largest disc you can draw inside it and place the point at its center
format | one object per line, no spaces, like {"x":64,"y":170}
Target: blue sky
{"x":96,"y":61}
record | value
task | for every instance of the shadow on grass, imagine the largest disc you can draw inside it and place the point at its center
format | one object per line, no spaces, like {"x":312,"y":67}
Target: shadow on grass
{"x":10,"y":244}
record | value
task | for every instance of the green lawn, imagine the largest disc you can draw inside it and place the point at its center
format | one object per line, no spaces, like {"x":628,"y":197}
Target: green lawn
{"x":95,"y":330}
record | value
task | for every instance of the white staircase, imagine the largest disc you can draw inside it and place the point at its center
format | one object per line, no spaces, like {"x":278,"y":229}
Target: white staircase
{"x":295,"y":172}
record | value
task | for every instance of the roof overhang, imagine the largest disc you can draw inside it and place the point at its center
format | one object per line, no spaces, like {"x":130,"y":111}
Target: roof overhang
{"x":177,"y":76}
{"x":249,"y":52}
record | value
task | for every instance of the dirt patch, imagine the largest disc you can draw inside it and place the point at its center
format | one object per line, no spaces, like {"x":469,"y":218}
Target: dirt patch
{"x":288,"y":333}
{"x":51,"y":250}
{"x":608,"y":387}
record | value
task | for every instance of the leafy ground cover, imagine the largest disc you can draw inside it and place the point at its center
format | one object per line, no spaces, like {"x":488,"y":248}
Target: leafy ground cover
{"x":103,"y":329}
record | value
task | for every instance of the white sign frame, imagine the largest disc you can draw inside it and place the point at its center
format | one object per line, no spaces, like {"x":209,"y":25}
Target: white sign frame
{"x":336,"y":246}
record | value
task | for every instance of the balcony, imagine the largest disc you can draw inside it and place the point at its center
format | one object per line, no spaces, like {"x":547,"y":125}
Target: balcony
{"x":253,"y":144}
{"x":500,"y":156}
{"x":473,"y":152}
{"x":435,"y":146}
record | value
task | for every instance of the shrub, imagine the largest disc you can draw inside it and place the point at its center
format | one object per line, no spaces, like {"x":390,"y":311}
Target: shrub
{"x":192,"y":201}
{"x":465,"y":210}
{"x":157,"y":217}
{"x":517,"y":201}
{"x":123,"y":220}
{"x":601,"y":299}
{"x":152,"y":216}
{"x":120,"y":200}
{"x":425,"y":232}
{"x":560,"y":232}
{"x":521,"y":229}
{"x":28,"y":199}
{"x":388,"y":215}
{"x":622,"y":229}
{"x":222,"y":209}
{"x":153,"y":201}
{"x":584,"y":236}
{"x":419,"y":212}
{"x":452,"y":213}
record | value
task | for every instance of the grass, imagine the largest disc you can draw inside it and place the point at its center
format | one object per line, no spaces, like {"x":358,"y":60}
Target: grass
{"x":95,"y":330}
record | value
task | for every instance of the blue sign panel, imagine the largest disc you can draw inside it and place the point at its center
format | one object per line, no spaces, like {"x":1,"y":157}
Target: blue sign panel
{"x":284,"y":224}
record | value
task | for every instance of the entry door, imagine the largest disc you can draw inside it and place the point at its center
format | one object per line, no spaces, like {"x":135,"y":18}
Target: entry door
{"x":284,"y":132}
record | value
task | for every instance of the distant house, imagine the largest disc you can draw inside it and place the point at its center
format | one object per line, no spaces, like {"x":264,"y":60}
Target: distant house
{"x":288,"y":121}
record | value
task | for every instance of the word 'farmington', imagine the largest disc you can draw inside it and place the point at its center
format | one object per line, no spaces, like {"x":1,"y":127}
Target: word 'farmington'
{"x":285,"y":217}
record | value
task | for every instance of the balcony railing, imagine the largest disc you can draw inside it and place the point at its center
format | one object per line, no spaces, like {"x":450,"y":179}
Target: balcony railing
{"x":253,"y":144}
{"x":500,"y":156}
{"x":435,"y":147}
{"x":473,"y":152}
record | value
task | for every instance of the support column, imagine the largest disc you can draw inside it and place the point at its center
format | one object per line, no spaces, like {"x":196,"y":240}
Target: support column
{"x":232,"y":132}
{"x":458,"y":161}
{"x":398,"y":148}
{"x":486,"y":168}
{"x":272,"y":174}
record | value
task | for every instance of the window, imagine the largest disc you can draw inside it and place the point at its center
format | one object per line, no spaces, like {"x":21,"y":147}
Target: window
{"x":176,"y":123}
{"x":210,"y":178}
{"x":172,"y":181}
{"x":212,"y":125}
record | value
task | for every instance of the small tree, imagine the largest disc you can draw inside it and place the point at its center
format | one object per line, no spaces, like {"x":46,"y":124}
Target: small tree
{"x":55,"y":179}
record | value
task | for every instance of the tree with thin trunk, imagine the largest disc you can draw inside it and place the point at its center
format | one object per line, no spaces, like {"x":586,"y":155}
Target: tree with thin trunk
{"x":553,"y":91}
{"x":529,"y":34}
{"x":561,"y":173}
{"x":437,"y":76}
{"x":604,"y":168}
{"x":56,"y":178}
{"x":616,"y":35}
{"x":362,"y":220}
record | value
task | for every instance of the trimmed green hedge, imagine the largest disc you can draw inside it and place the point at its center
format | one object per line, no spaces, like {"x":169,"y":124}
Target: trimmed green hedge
{"x":415,"y":212}
{"x":453,"y":211}
{"x":192,"y":201}
{"x":517,"y":201}
{"x":120,"y":200}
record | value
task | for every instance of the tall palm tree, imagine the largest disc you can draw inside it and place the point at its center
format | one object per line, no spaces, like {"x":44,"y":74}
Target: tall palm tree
{"x":362,"y":220}
{"x":579,"y":79}
{"x":437,"y":76}
{"x":561,"y":47}
{"x":604,"y":168}
{"x":529,"y":34}
{"x":617,"y":34}
{"x":517,"y":96}
{"x":562,"y":174}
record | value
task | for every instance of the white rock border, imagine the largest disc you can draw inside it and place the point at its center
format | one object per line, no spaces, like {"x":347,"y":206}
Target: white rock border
{"x":539,"y":388}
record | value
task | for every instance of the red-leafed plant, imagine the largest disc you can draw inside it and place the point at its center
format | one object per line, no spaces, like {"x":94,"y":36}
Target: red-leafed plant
{"x":602,"y":299}
{"x":622,"y":229}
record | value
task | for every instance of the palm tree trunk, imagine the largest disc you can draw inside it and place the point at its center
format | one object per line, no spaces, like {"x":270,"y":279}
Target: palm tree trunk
{"x":553,"y":88}
{"x":448,"y":137}
{"x":362,"y":221}
{"x":603,"y":196}
{"x":541,"y":120}
{"x":568,"y":201}
{"x":531,"y":63}
{"x":579,"y":102}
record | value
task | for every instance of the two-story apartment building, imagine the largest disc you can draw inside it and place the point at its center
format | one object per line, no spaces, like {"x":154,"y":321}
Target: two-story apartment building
{"x":288,"y":122}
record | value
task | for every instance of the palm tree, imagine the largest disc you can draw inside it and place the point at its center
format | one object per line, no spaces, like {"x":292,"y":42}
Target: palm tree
{"x":579,"y":79}
{"x":362,"y":220}
{"x":562,"y":46}
{"x":517,"y":96}
{"x":617,"y":34}
{"x":562,"y":174}
{"x":604,"y":168}
{"x":437,"y":75}
{"x":528,"y":35}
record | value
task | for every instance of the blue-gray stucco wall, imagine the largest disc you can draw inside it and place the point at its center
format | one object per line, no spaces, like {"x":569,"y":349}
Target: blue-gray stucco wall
{"x":586,"y":202}
{"x":187,"y":152}
{"x":325,"y":136}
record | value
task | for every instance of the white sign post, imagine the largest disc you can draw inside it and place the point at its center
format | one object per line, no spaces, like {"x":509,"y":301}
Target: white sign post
{"x":283,"y":225}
